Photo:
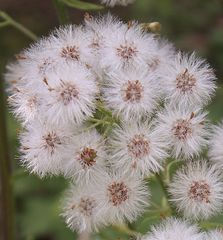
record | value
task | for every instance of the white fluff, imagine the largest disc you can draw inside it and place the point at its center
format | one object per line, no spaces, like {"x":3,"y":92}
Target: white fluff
{"x":197,"y":190}
{"x":215,"y":145}
{"x":88,"y":158}
{"x":132,"y":93}
{"x":137,"y":148}
{"x":174,"y":229}
{"x":45,"y":148}
{"x":187,"y":80}
{"x":185,"y":130}
{"x":123,"y":198}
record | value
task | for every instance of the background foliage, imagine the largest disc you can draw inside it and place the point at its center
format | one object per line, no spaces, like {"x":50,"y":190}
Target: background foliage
{"x":190,"y":24}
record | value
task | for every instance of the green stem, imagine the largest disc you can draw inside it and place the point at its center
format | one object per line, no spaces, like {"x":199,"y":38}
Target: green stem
{"x":168,"y":169}
{"x":165,"y":192}
{"x":4,"y":24}
{"x":210,"y":225}
{"x":18,"y":26}
{"x":126,"y":230}
{"x":6,"y":196}
{"x":61,"y":11}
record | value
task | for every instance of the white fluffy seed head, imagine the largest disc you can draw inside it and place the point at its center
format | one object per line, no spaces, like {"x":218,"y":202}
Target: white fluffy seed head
{"x":187,"y":80}
{"x":215,"y":145}
{"x":129,"y":47}
{"x":124,"y":198}
{"x":70,"y":96}
{"x":131,"y":93}
{"x":25,"y":104}
{"x":197,"y":190}
{"x":185,"y":129}
{"x":69,"y":44}
{"x":112,"y":3}
{"x":45,"y":148}
{"x":174,"y":229}
{"x":87,"y":157}
{"x":81,"y":209}
{"x":137,"y":148}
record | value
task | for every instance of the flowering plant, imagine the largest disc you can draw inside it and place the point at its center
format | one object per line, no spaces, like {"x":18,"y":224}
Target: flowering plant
{"x":112,"y":107}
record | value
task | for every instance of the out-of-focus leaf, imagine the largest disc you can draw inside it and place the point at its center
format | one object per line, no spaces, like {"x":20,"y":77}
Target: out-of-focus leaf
{"x":82,"y":5}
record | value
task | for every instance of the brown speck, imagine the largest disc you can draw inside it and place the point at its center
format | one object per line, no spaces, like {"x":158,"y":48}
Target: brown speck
{"x":87,"y":206}
{"x":138,"y":146}
{"x":88,"y":157}
{"x":199,"y":191}
{"x":51,"y":140}
{"x":185,"y":81}
{"x":127,"y":52}
{"x":182,"y":129}
{"x":70,"y":52}
{"x":132,"y":91}
{"x":20,"y":57}
{"x":118,"y":193}
{"x":67,"y":92}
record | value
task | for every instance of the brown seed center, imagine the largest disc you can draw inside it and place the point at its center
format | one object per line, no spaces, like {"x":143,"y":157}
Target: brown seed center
{"x":68,"y":92}
{"x":87,"y":206}
{"x":51,"y":141}
{"x":200,"y":191}
{"x":127,"y":52}
{"x":88,"y":157}
{"x":70,"y":52}
{"x":185,"y":81}
{"x":118,"y":193}
{"x":138,"y":146}
{"x":132,"y":91}
{"x":182,"y":129}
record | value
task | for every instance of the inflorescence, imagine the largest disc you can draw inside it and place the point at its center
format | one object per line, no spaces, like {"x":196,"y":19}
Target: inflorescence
{"x":105,"y":104}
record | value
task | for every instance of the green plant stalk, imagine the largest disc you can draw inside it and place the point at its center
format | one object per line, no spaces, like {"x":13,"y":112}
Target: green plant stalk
{"x":165,"y":192}
{"x":18,"y":26}
{"x":61,"y":11}
{"x":6,"y":195}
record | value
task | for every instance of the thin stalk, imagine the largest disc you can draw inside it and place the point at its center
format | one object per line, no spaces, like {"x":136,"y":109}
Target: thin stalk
{"x":165,"y":192}
{"x":18,"y":26}
{"x":6,"y":197}
{"x":209,"y":225}
{"x":61,"y":11}
{"x":125,"y":229}
{"x":4,"y":24}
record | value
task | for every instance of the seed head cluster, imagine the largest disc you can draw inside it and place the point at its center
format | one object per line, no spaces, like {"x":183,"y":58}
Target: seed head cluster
{"x":107,"y":104}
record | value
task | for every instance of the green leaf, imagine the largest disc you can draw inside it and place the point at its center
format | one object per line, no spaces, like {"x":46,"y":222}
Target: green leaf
{"x":82,"y":5}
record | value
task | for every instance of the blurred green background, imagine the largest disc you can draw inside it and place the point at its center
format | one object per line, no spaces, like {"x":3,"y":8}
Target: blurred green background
{"x":189,"y":24}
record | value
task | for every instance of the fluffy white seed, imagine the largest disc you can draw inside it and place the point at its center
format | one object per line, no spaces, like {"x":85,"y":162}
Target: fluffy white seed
{"x":185,"y":130}
{"x":87,"y":157}
{"x":131,"y":93}
{"x":137,"y":148}
{"x":71,"y":93}
{"x":215,"y":145}
{"x":197,"y":190}
{"x":45,"y":148}
{"x":174,"y":229}
{"x":129,"y":47}
{"x":187,"y":80}
{"x":124,"y":198}
{"x":81,"y":209}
